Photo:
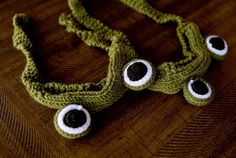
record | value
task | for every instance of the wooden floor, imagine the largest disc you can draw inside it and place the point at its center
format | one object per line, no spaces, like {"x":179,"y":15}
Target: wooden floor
{"x":141,"y":124}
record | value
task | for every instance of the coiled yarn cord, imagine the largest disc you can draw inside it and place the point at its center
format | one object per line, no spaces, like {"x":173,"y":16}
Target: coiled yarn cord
{"x":94,"y":97}
{"x":168,"y":77}
{"x":173,"y":75}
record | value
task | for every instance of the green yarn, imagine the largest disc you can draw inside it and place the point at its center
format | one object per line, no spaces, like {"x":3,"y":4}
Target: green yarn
{"x":169,"y":78}
{"x":196,"y":101}
{"x":147,"y":84}
{"x":217,"y":54}
{"x":68,"y":135}
{"x":93,"y":96}
{"x":172,"y":75}
{"x":218,"y":57}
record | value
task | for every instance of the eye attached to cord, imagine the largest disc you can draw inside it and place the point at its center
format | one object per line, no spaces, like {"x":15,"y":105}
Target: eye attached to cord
{"x":217,"y":46}
{"x":72,"y":121}
{"x":138,"y":74}
{"x":198,"y":92}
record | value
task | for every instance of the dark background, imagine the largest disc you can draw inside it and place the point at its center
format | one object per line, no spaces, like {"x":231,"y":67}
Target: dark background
{"x":141,"y":124}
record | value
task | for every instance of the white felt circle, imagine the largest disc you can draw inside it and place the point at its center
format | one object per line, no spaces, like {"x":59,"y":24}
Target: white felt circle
{"x":199,"y":96}
{"x":143,"y":80}
{"x":71,"y":130}
{"x":216,"y":51}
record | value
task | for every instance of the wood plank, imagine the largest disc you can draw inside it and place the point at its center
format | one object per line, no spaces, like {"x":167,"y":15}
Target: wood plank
{"x":141,"y":124}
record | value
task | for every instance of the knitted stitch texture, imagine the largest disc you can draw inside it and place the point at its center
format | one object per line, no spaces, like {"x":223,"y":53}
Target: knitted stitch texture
{"x":93,"y":96}
{"x":148,"y":83}
{"x":168,"y":77}
{"x":172,"y":75}
{"x":194,"y":100}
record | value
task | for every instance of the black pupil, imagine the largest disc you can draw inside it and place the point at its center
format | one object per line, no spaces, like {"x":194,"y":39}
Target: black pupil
{"x":199,"y":87}
{"x":74,"y":118}
{"x":136,"y":71}
{"x":217,"y":43}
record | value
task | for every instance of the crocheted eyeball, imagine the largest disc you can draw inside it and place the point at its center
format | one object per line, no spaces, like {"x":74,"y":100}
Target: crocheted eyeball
{"x":198,"y":92}
{"x":217,"y":46}
{"x":138,"y":74}
{"x":72,"y":121}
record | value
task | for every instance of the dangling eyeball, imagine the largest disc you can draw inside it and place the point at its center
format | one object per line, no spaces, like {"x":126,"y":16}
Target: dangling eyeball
{"x":198,"y":92}
{"x":217,"y":46}
{"x":138,"y":74}
{"x":72,"y":121}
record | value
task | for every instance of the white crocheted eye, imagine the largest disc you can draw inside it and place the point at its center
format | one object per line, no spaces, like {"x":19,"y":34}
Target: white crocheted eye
{"x":217,"y":45}
{"x":73,"y":120}
{"x":199,"y":89}
{"x":138,"y":74}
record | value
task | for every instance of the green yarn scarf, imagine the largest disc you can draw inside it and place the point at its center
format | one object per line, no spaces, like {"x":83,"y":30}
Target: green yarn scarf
{"x":168,"y":77}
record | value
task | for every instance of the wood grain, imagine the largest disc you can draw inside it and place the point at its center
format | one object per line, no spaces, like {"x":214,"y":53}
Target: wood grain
{"x":141,"y":124}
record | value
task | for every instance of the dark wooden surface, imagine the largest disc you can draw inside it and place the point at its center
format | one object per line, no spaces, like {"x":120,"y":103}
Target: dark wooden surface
{"x":141,"y":124}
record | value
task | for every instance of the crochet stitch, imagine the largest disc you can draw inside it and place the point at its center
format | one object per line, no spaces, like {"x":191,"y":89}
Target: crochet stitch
{"x":217,"y":46}
{"x":195,"y":98}
{"x":94,"y":96}
{"x":132,"y":72}
{"x":72,"y":121}
{"x":172,"y":76}
{"x":124,"y":69}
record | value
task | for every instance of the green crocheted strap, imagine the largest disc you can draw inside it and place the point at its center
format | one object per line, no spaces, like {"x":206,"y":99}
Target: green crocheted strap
{"x":81,"y":15}
{"x":95,"y":30}
{"x":93,"y":96}
{"x":172,"y":75}
{"x":143,"y":7}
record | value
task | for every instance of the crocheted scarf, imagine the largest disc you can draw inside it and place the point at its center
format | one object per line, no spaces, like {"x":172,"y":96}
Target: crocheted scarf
{"x":125,"y":70}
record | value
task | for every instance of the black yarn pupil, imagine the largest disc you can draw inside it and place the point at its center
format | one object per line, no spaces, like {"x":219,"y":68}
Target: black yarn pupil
{"x":74,"y":118}
{"x":217,"y":43}
{"x":136,"y":71}
{"x":199,"y":87}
